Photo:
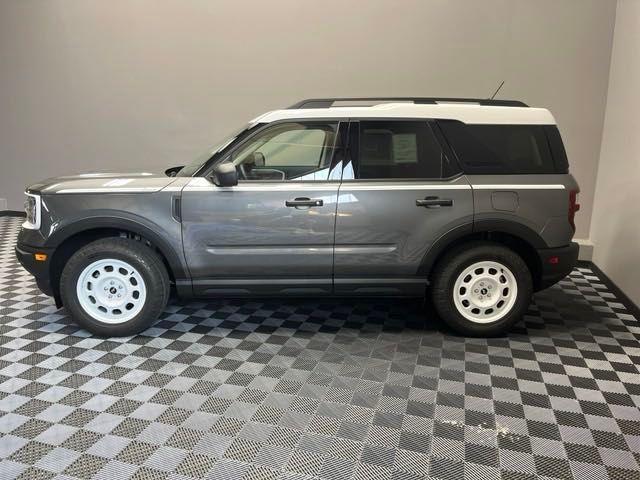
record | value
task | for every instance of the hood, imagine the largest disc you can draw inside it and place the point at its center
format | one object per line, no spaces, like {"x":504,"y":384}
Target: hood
{"x":103,"y":182}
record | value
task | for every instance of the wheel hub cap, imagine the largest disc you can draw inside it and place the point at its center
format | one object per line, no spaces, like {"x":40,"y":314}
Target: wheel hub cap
{"x":111,"y":291}
{"x":485,"y":292}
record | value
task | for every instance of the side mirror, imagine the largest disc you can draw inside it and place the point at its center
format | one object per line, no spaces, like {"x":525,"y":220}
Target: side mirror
{"x":173,"y":171}
{"x":225,"y":175}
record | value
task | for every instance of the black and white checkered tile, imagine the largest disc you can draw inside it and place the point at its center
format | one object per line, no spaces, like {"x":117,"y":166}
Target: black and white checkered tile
{"x":330,"y":389}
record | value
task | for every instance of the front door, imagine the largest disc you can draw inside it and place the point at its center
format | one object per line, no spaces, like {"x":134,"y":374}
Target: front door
{"x":400,"y":192}
{"x":273,"y":232}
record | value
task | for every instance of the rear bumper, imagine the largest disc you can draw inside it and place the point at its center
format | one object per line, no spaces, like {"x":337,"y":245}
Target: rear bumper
{"x":555,"y":270}
{"x":39,"y":269}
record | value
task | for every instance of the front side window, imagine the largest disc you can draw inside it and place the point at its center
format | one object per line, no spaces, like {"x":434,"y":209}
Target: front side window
{"x":288,"y":151}
{"x":391,"y":149}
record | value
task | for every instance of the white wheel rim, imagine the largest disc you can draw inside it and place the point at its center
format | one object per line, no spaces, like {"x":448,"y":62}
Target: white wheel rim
{"x":485,"y":292}
{"x":111,"y":291}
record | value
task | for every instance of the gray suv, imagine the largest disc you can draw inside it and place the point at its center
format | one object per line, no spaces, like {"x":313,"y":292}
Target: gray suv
{"x":467,"y":201}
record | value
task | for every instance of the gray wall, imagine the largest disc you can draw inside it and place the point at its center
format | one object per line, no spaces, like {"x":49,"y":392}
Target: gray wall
{"x":615,"y":228}
{"x":112,"y":85}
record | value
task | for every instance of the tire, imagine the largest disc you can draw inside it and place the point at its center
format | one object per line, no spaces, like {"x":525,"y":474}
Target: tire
{"x":494,"y":282}
{"x":115,"y":287}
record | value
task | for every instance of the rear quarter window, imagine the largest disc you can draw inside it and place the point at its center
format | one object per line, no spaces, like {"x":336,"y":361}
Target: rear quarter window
{"x":557,"y":149}
{"x":500,"y":149}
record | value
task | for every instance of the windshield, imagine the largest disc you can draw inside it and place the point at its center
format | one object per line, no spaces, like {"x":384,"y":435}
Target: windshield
{"x":191,"y":168}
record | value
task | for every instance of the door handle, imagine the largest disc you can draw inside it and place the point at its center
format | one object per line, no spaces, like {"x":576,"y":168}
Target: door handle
{"x":434,"y":202}
{"x":304,"y":202}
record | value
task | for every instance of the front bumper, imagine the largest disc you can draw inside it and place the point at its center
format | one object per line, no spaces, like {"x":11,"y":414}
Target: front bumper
{"x":555,"y":270}
{"x":39,"y":269}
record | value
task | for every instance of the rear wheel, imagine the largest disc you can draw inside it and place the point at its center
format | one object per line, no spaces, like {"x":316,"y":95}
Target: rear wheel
{"x":115,"y":286}
{"x":481,"y":289}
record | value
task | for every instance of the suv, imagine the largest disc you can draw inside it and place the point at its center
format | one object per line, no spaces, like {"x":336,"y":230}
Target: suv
{"x":467,"y":201}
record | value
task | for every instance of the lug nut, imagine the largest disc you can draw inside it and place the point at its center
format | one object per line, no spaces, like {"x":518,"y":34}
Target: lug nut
{"x":475,"y":291}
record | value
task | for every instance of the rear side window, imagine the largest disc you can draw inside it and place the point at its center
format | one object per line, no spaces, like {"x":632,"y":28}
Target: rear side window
{"x":500,"y":149}
{"x":557,"y":148}
{"x":400,"y":149}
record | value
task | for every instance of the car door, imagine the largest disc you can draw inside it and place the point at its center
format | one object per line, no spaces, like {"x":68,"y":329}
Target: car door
{"x":401,"y":191}
{"x":273,"y":232}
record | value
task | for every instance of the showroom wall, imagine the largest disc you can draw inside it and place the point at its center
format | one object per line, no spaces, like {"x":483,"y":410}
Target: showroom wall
{"x":615,"y":227}
{"x":117,"y":85}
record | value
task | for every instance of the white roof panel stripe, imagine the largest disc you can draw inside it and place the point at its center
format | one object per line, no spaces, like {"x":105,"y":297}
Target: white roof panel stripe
{"x":464,"y":112}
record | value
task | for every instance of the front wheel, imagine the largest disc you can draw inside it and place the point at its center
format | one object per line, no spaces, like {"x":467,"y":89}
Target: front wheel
{"x":115,"y":286}
{"x":481,"y":289}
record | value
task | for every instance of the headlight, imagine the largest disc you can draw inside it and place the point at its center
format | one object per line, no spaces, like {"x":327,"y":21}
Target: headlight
{"x":32,"y":209}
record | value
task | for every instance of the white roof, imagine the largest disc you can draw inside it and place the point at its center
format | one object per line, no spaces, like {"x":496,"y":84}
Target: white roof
{"x":464,"y":112}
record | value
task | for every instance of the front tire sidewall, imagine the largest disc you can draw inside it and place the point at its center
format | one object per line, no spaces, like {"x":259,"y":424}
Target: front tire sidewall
{"x":443,"y":294}
{"x":154,"y":302}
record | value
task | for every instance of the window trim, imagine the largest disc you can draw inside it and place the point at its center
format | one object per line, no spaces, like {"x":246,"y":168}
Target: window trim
{"x":241,"y":142}
{"x":435,"y":129}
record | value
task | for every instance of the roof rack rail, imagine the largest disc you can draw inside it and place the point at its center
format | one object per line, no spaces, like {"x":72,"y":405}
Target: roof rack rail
{"x":328,"y":102}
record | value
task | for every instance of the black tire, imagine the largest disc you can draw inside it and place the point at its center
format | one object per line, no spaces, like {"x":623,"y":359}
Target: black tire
{"x":142,"y":258}
{"x":454,"y":263}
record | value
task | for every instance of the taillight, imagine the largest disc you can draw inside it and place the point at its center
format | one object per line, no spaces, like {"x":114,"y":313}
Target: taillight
{"x":574,"y":206}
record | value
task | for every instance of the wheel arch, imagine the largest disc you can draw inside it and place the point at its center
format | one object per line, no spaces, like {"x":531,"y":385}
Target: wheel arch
{"x":70,"y":238}
{"x":516,"y":236}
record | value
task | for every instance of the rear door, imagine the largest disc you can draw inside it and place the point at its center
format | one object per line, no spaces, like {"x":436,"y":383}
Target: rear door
{"x":273,"y":232}
{"x":400,"y":192}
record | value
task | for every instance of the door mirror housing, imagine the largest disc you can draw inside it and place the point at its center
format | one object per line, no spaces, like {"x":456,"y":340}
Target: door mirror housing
{"x":173,"y":171}
{"x":225,"y":175}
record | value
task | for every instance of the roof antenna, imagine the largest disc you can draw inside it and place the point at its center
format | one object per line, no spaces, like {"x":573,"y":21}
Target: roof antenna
{"x":496,"y":92}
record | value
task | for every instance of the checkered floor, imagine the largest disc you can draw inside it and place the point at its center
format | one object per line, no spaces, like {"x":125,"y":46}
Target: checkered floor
{"x":330,"y":389}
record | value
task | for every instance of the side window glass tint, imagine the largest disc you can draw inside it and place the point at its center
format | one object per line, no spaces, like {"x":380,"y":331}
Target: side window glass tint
{"x":557,"y":149}
{"x":499,"y":149}
{"x":288,"y":151}
{"x":398,"y":149}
